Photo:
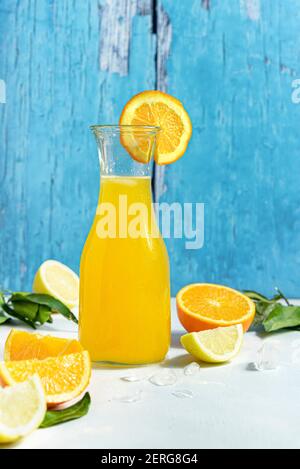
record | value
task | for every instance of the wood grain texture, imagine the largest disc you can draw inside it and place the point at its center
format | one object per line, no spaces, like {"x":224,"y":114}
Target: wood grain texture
{"x":232,"y":65}
{"x":2,"y":92}
{"x":115,"y":25}
{"x":164,"y":39}
{"x":70,"y":63}
{"x":55,"y":89}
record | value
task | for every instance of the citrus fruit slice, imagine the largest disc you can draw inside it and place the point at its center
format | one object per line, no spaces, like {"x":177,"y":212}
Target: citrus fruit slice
{"x":155,"y":108}
{"x":63,"y":378}
{"x":58,"y":280}
{"x":215,"y":345}
{"x":22,"y":345}
{"x":22,"y":409}
{"x":202,"y":306}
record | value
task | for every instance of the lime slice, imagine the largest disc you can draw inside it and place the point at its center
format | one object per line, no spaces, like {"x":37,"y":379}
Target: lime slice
{"x":22,"y":409}
{"x":214,"y":345}
{"x":58,"y":280}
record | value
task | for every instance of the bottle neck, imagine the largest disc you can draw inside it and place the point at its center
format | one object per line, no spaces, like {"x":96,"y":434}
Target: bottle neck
{"x":129,"y":189}
{"x":126,"y":152}
{"x":115,"y":165}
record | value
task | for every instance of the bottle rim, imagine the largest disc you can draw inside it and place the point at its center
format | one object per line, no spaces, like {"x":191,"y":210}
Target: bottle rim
{"x":110,"y":129}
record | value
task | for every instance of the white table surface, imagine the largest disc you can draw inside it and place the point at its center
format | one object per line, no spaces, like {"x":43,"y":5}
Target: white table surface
{"x":233,"y":405}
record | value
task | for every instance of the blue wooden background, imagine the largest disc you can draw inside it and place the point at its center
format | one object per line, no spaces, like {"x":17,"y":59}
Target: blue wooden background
{"x":70,"y":63}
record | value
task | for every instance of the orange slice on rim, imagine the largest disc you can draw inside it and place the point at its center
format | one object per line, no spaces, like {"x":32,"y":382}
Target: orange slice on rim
{"x":203,"y":306}
{"x":155,"y":108}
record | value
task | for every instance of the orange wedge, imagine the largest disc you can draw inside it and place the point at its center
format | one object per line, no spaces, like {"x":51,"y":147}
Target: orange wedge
{"x":63,"y":378}
{"x":155,"y":108}
{"x":203,"y":306}
{"x":21,"y":345}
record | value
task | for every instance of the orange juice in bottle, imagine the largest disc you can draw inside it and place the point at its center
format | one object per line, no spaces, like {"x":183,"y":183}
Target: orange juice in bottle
{"x":124,"y":272}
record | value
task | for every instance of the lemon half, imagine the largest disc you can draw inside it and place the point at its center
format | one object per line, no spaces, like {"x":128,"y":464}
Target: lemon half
{"x":58,"y":280}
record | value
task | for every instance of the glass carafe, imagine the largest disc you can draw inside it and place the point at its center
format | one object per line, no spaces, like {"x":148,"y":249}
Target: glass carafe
{"x":124,"y":272}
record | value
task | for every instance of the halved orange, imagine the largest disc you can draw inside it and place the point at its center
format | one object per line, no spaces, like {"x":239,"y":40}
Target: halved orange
{"x":22,"y":345}
{"x":63,"y":378}
{"x":155,"y":108}
{"x":202,"y":306}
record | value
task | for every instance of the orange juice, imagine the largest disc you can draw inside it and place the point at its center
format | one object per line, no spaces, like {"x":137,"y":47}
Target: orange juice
{"x":124,"y":278}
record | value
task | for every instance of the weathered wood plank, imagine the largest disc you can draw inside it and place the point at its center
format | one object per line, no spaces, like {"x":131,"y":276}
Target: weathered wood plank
{"x":70,"y":63}
{"x":115,"y":21}
{"x":232,"y":62}
{"x":57,"y":85}
{"x":164,"y":39}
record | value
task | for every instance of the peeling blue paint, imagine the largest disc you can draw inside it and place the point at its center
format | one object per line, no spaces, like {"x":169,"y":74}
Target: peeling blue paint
{"x":49,"y":170}
{"x":243,"y":161}
{"x":232,"y":63}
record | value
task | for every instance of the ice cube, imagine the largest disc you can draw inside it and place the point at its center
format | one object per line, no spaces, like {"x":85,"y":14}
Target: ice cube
{"x":163,"y":378}
{"x":191,"y":369}
{"x":183,"y":394}
{"x":267,"y":357}
{"x":129,"y":398}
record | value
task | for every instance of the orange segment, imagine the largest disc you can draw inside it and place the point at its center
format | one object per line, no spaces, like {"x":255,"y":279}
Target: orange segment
{"x":156,"y":108}
{"x":63,"y":378}
{"x":21,"y":345}
{"x":202,"y":306}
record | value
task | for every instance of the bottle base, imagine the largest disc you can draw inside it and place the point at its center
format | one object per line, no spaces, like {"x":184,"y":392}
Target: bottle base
{"x":115,"y":364}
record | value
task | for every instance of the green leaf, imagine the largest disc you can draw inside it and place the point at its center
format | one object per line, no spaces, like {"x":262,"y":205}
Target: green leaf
{"x":262,"y":311}
{"x":44,"y":314}
{"x":3,"y":318}
{"x":53,"y":303}
{"x":11,"y":312}
{"x":253,"y":295}
{"x":33,"y":308}
{"x":25,"y":308}
{"x":273,"y":315}
{"x":19,"y":296}
{"x":280,"y":296}
{"x":55,"y":417}
{"x":282,"y":317}
{"x":2,"y":300}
